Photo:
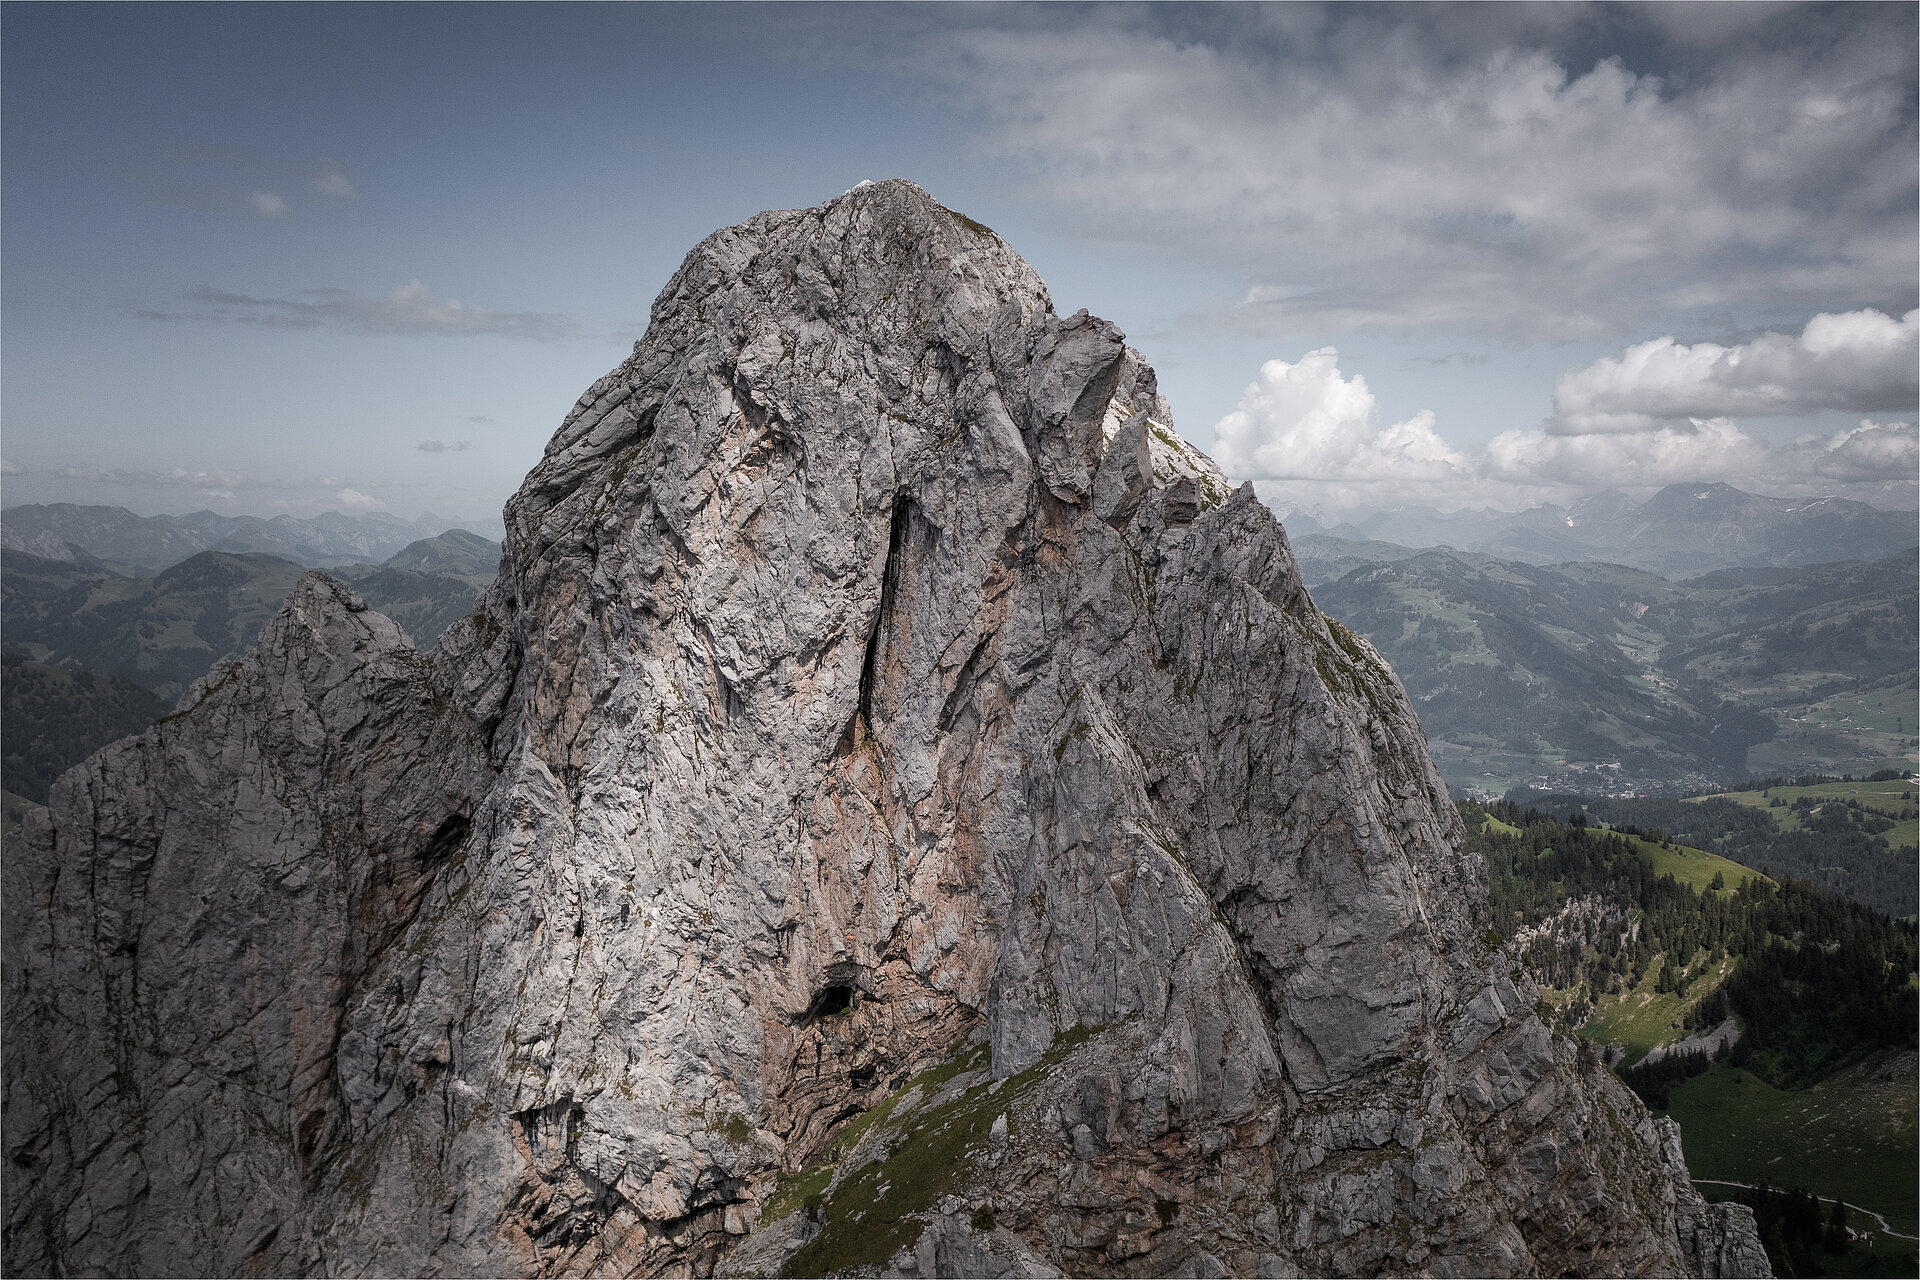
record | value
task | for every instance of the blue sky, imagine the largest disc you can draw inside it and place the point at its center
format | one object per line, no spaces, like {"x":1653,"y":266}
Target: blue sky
{"x":1380,"y":255}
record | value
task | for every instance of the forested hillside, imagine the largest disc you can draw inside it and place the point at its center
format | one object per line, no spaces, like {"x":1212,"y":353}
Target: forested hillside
{"x":1816,"y":981}
{"x":54,"y":718}
{"x":1660,"y":952}
{"x":1855,"y":837}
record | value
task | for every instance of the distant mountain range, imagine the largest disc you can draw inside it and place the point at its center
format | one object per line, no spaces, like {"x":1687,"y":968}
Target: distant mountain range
{"x":117,"y":540}
{"x":166,"y":631}
{"x":1558,"y":654}
{"x":1680,"y":531}
{"x":456,"y":553}
{"x":1606,"y":677}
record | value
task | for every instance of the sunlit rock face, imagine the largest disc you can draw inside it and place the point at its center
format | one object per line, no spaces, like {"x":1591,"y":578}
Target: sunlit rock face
{"x":897,"y":809}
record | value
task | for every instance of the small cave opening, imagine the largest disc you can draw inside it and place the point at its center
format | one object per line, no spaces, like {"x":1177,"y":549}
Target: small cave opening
{"x":836,"y":998}
{"x":445,"y":841}
{"x":863,"y":1077}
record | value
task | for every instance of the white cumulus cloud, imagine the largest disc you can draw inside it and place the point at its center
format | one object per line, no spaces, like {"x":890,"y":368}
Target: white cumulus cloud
{"x":1871,"y":451}
{"x":1309,"y":433}
{"x":441,"y":446}
{"x":1704,"y":449}
{"x":354,"y":500}
{"x":8,"y":467}
{"x":1304,"y":421}
{"x":1858,"y":360}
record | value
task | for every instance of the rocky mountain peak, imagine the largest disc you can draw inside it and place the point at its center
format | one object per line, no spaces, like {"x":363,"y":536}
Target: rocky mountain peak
{"x":896,"y":810}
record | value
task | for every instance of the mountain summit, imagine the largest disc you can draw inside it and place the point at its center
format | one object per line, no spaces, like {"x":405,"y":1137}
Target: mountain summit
{"x":895,"y":810}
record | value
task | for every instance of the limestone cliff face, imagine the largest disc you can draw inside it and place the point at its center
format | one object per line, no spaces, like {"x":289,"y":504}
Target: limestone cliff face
{"x":897,"y":809}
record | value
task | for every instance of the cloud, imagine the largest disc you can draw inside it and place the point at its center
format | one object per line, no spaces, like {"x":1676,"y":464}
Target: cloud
{"x":410,"y":309}
{"x":1871,"y":451}
{"x":1551,"y":172}
{"x":436,"y":446}
{"x":1304,"y":421}
{"x":329,"y":179}
{"x":1455,"y":357}
{"x":1308,"y":433}
{"x":1858,"y":360}
{"x":235,"y":180}
{"x":217,"y":198}
{"x":479,"y":418}
{"x":269,"y":205}
{"x":215,"y":483}
{"x":182,"y":487}
{"x":1706,"y":449}
{"x":8,"y":467}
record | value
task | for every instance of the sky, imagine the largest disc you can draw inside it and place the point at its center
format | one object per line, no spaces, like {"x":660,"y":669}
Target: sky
{"x":289,"y":258}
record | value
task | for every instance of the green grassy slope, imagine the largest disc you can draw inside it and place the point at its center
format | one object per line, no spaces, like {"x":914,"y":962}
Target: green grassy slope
{"x":1855,"y":838}
{"x":1644,"y":1018}
{"x":12,"y":809}
{"x":1695,"y":867}
{"x":1896,"y":799}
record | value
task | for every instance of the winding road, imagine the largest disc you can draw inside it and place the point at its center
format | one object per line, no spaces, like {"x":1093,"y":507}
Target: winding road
{"x":1885,"y":1230}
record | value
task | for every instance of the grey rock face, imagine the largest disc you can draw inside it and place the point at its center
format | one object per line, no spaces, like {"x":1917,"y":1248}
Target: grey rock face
{"x":896,"y":810}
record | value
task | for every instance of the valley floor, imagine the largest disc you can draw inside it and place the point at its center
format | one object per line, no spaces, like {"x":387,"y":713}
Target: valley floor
{"x":1851,"y":1136}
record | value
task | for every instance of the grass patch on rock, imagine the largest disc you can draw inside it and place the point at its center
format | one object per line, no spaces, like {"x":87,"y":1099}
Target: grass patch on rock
{"x":903,"y":1156}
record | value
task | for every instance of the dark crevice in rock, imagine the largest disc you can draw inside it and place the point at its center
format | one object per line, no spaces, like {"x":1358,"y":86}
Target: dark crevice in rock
{"x":883,"y":616}
{"x":971,"y":672}
{"x":643,"y":424}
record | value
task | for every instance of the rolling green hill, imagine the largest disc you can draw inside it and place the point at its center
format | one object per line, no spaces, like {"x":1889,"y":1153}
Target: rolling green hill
{"x":1856,"y":838}
{"x":162,"y":633}
{"x":1852,"y":1135}
{"x":453,"y":554}
{"x":1522,"y":672}
{"x":115,"y":539}
{"x":1606,"y":679}
{"x":166,"y":631}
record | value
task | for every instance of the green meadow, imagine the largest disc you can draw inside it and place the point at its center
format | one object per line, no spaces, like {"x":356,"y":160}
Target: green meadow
{"x":1851,"y":1136}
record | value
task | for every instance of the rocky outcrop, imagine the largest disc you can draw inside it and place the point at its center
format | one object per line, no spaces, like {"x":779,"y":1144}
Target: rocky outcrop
{"x":897,"y":809}
{"x":1713,"y":1042}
